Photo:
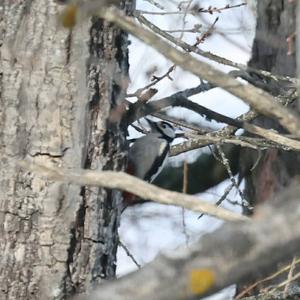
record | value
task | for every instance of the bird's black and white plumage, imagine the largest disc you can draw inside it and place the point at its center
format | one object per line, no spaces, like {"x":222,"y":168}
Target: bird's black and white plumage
{"x":148,"y":154}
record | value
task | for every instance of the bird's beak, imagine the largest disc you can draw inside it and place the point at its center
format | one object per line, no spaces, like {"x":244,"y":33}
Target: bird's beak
{"x":180,"y":135}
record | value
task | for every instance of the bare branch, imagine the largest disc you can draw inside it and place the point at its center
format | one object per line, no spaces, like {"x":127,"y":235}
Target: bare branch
{"x":274,"y":275}
{"x":207,"y":139}
{"x":136,"y":112}
{"x":256,"y":98}
{"x":222,"y":198}
{"x":129,"y":254}
{"x":204,"y":139}
{"x":228,"y":130}
{"x":222,"y":60}
{"x":131,"y":184}
{"x":215,"y":261}
{"x":155,"y":79}
{"x":224,"y":160}
{"x":194,"y":10}
{"x":180,"y":99}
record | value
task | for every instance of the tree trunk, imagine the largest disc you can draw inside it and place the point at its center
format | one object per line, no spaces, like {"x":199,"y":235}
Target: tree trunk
{"x":58,"y":87}
{"x":274,"y":169}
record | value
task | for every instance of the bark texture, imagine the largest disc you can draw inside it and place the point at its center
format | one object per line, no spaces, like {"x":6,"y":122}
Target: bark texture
{"x":275,"y":169}
{"x":57,"y":87}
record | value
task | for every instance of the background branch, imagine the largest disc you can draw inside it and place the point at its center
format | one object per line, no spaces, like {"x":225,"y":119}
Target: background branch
{"x":258,"y":99}
{"x":205,"y":172}
{"x":222,"y":60}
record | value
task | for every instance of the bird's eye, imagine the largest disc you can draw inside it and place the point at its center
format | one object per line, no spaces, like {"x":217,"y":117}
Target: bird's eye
{"x":164,"y":125}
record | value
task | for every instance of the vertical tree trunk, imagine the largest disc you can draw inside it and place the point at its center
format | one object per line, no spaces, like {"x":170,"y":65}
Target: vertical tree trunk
{"x":276,"y":169}
{"x":58,"y":87}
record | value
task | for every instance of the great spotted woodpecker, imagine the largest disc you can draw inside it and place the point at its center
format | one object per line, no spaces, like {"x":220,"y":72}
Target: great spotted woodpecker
{"x":148,"y":154}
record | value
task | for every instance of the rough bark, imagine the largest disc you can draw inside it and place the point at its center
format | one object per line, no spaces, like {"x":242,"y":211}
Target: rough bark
{"x":57,"y":89}
{"x":274,"y":169}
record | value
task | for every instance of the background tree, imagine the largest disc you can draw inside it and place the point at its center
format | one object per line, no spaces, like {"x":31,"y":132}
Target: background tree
{"x":274,"y":50}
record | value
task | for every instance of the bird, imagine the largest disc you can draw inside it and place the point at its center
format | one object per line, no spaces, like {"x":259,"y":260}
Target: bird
{"x":148,"y":154}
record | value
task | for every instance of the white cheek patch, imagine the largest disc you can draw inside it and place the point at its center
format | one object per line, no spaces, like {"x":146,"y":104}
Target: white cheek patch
{"x":162,"y":147}
{"x":159,"y":169}
{"x":170,"y":132}
{"x":161,"y":150}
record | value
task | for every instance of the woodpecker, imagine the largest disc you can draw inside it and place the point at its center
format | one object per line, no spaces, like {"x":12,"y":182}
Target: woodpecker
{"x":148,"y":154}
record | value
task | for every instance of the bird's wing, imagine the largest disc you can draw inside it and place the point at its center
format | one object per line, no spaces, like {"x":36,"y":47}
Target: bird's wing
{"x":147,"y":155}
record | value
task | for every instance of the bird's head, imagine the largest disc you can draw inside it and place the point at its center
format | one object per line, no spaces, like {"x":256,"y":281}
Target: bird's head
{"x":166,"y":130}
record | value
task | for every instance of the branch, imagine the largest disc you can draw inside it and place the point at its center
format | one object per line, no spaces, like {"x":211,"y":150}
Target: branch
{"x":180,"y":99}
{"x":222,"y":60}
{"x":211,"y":138}
{"x":133,"y":185}
{"x":215,"y":261}
{"x":270,"y":277}
{"x":208,"y":140}
{"x":256,"y":98}
{"x":226,"y":132}
{"x":136,"y":111}
{"x":194,"y":10}
{"x":155,"y":79}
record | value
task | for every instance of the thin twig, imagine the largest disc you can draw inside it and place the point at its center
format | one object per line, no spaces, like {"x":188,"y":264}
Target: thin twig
{"x":184,"y":190}
{"x":155,"y":80}
{"x":225,"y":162}
{"x":207,"y":33}
{"x":288,"y":281}
{"x":211,"y":56}
{"x":193,"y":11}
{"x":290,"y":276}
{"x":255,"y":284}
{"x":224,"y":196}
{"x":129,"y":254}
